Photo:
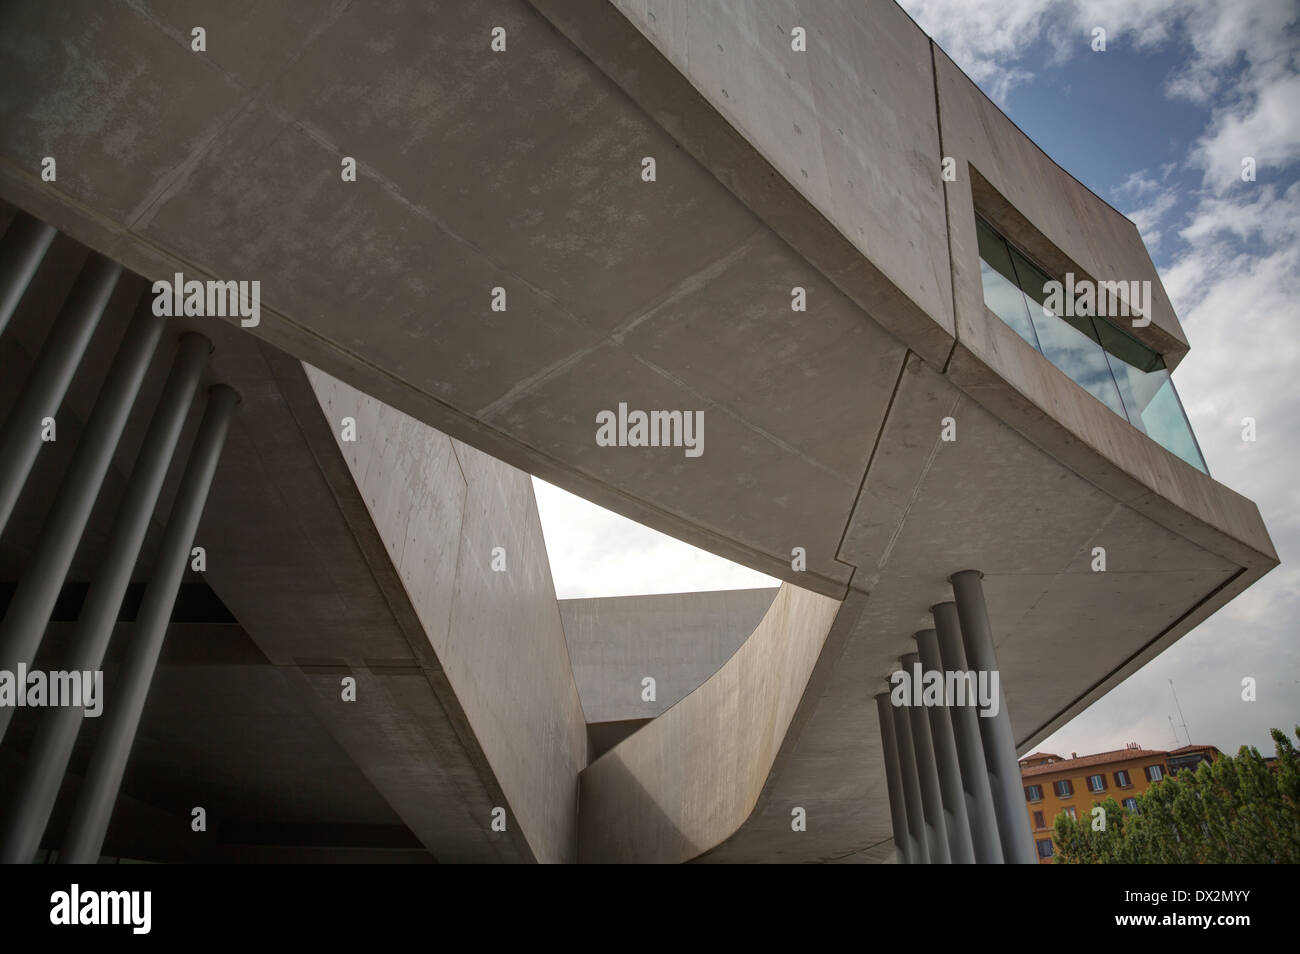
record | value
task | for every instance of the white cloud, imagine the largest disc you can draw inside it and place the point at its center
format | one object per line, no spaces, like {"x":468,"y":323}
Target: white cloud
{"x":1265,"y":127}
{"x":1257,"y":213}
{"x":1235,"y":283}
{"x":594,"y":552}
{"x":988,"y":38}
{"x":1136,"y":185}
{"x":1149,"y":218}
{"x":984,"y":37}
{"x":1241,"y":54}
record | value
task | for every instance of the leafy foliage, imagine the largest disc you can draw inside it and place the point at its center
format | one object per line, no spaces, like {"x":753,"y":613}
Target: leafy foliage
{"x":1236,"y":810}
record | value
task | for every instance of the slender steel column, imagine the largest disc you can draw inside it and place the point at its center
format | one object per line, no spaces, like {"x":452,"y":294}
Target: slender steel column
{"x":970,"y":748}
{"x":56,"y":733}
{"x":960,"y":844}
{"x":920,"y":852}
{"x":20,"y":438}
{"x":936,"y":825}
{"x":995,"y":731}
{"x":21,"y":251}
{"x":33,"y":601}
{"x":94,"y":810}
{"x":894,"y":780}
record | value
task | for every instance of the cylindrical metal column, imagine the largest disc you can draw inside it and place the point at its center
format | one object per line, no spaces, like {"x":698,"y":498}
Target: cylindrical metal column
{"x":98,"y":793}
{"x":21,"y":250}
{"x":56,"y":733}
{"x":995,"y":731}
{"x":20,"y":438}
{"x":960,"y":844}
{"x":970,"y":747}
{"x":920,"y":852}
{"x":936,"y":824}
{"x":38,"y":590}
{"x":894,"y":779}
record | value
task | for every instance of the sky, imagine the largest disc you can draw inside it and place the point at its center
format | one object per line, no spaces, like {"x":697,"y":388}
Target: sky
{"x":1157,"y":124}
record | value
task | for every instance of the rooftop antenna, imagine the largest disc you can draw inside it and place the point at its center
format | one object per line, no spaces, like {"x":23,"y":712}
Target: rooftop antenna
{"x":1180,"y":713}
{"x":1173,"y":730}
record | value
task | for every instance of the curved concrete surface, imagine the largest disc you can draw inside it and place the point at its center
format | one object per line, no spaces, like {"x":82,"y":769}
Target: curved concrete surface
{"x":686,"y":781}
{"x":678,"y":639}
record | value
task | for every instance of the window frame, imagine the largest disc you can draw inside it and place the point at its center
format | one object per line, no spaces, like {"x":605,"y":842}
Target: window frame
{"x":1093,"y":332}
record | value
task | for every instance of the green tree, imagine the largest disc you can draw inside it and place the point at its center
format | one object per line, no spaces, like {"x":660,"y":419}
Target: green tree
{"x":1236,"y":810}
{"x":1082,"y":839}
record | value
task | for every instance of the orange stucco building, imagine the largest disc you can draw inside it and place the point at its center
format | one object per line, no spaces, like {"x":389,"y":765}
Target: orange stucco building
{"x":1054,"y":784}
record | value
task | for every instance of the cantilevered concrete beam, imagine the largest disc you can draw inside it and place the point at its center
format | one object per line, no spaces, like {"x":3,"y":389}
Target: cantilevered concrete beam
{"x":758,"y":191}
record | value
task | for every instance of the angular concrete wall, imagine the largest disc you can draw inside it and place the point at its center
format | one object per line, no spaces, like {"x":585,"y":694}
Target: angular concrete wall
{"x":835,"y":149}
{"x":832,"y":116}
{"x":849,"y":122}
{"x":686,"y":781}
{"x":442,"y":508}
{"x":859,"y":124}
{"x":678,"y":639}
{"x":1008,"y":179}
{"x":1005,"y":177}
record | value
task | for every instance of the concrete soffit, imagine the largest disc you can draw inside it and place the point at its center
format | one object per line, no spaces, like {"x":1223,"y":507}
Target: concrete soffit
{"x":601,"y":33}
{"x":966,"y":354}
{"x":1090,"y":441}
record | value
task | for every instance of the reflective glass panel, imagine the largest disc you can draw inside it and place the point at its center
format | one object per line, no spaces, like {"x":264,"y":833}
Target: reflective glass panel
{"x":1120,"y":371}
{"x":1164,"y":419}
{"x":1148,"y":394}
{"x":1001,"y":293}
{"x":1069,"y":343}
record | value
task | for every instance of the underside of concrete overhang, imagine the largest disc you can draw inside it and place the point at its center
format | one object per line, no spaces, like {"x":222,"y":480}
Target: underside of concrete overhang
{"x":1065,"y":632}
{"x":522,"y":171}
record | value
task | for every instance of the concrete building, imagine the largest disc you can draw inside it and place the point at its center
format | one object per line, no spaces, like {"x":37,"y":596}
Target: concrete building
{"x":475,"y":231}
{"x":1054,"y":785}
